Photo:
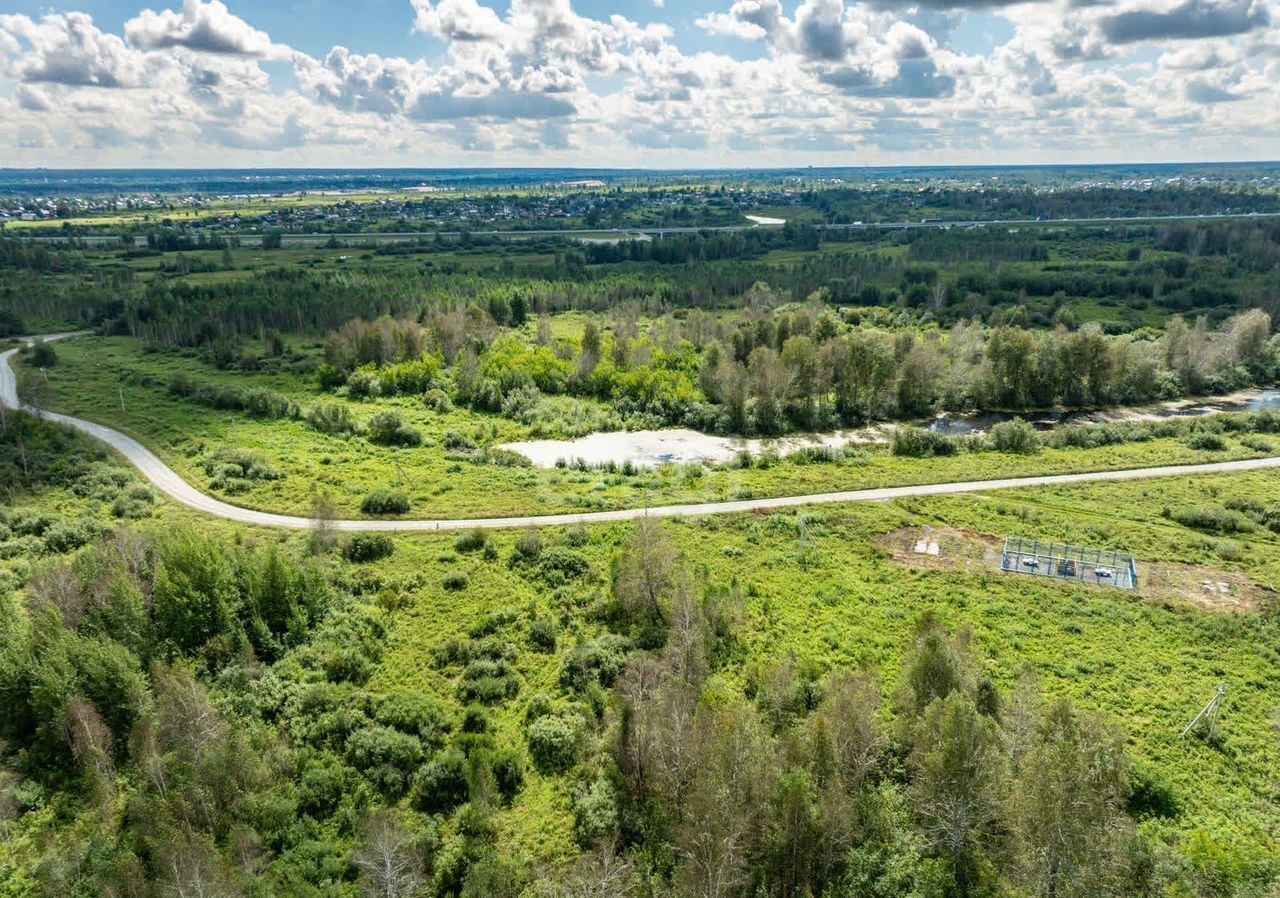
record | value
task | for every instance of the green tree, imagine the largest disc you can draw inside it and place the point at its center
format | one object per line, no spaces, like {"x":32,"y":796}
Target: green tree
{"x":957,"y":785}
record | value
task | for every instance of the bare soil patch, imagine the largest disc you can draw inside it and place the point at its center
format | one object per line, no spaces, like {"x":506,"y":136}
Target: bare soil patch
{"x":1165,"y":582}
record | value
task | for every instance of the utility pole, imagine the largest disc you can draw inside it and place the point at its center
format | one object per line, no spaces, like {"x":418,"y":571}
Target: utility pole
{"x":121,"y":390}
{"x":1209,"y":713}
{"x":805,"y":554}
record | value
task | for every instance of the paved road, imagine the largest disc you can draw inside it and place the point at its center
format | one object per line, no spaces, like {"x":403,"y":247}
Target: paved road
{"x":251,"y":238}
{"x":168,"y":482}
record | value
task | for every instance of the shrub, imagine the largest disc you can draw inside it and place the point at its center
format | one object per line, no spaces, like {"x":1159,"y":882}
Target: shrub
{"x":1213,"y":518}
{"x":475,"y":719}
{"x":234,"y":470}
{"x":595,"y":811}
{"x":388,"y":429}
{"x":385,"y":501}
{"x":559,"y":564}
{"x":43,"y":355}
{"x":455,"y":581}
{"x":332,"y":418}
{"x":1206,"y":442}
{"x":437,"y":400}
{"x":555,"y":742}
{"x":72,"y":534}
{"x":471,"y":540}
{"x":916,"y":442}
{"x":542,"y":634}
{"x":456,"y":442}
{"x":364,"y":547}
{"x":528,"y":545}
{"x":508,"y":771}
{"x":1015,"y":436}
{"x":441,"y":784}
{"x":364,"y":384}
{"x":602,"y":660}
{"x":387,"y":755}
{"x":488,"y":681}
{"x":416,"y":714}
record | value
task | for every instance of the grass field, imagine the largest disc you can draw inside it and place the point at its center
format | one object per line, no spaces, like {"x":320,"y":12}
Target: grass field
{"x":1148,"y":667}
{"x":115,"y":381}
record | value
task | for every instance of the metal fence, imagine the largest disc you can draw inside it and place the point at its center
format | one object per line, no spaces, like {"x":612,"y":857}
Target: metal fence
{"x":1064,"y":561}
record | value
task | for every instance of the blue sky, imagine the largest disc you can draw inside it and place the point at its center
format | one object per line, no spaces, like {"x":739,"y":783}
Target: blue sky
{"x":705,"y":82}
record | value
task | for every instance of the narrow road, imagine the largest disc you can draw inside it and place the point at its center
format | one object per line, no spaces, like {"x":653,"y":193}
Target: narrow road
{"x":168,"y":482}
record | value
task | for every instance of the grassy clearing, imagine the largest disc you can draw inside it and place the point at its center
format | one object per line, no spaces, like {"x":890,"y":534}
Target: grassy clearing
{"x":1147,"y":666}
{"x":94,"y":375}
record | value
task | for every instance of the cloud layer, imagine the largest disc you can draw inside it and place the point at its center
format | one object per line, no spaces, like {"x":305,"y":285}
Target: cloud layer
{"x":816,"y":81}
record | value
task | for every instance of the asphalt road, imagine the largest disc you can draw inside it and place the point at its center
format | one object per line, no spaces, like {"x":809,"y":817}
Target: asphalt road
{"x":168,"y":482}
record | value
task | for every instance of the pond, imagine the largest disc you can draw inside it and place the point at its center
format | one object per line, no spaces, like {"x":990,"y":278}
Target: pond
{"x":1243,"y":401}
{"x":651,"y":448}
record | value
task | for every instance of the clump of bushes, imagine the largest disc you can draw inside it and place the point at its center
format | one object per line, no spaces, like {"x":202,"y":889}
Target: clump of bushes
{"x":455,"y":581}
{"x":471,"y":540}
{"x":234,"y":470}
{"x":602,"y":661}
{"x":256,"y":401}
{"x":388,"y":429}
{"x":457,"y":442}
{"x":559,"y":564}
{"x":136,"y":502}
{"x":416,"y":714}
{"x":362,"y":547}
{"x":488,"y":681}
{"x":1017,"y":436}
{"x":555,"y":741}
{"x":916,"y":442}
{"x":332,"y":418}
{"x":542,"y":634}
{"x":1206,"y":442}
{"x":385,"y":501}
{"x":1213,"y":518}
{"x":43,"y":355}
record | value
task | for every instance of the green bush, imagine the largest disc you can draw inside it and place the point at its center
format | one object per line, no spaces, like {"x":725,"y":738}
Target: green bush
{"x":1206,"y":442}
{"x":1016,"y":436}
{"x":542,"y":634}
{"x":1213,"y":518}
{"x":364,"y":547}
{"x":332,"y":418}
{"x":388,"y":429}
{"x":385,"y":501}
{"x":602,"y":660}
{"x":455,"y":581}
{"x":441,"y":784}
{"x":416,"y":714}
{"x":43,"y":355}
{"x":916,"y":442}
{"x":555,"y":742}
{"x":471,"y":540}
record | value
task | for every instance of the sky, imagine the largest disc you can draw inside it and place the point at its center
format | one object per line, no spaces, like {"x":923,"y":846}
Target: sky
{"x":643,"y":83}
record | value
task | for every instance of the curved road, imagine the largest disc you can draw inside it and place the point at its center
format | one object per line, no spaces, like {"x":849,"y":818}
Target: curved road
{"x":168,"y":482}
